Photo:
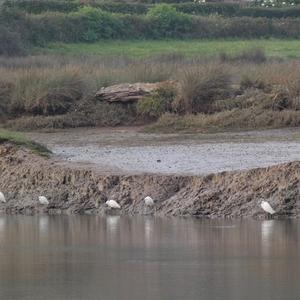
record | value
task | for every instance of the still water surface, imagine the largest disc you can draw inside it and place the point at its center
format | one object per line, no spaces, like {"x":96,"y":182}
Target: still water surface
{"x":88,"y":257}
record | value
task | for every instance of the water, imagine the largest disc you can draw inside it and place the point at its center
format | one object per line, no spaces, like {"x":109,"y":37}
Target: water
{"x":88,"y":257}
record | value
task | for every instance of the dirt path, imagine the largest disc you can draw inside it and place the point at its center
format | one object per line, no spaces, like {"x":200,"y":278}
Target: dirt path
{"x":128,"y":151}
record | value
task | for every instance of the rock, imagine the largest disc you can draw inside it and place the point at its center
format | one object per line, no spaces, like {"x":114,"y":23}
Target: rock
{"x":126,"y":92}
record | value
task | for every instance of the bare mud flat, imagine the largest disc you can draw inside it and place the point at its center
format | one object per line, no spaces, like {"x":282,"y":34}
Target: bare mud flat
{"x":129,"y":151}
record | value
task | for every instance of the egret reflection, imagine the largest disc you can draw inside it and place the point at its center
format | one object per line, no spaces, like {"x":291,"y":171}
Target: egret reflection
{"x":2,"y":224}
{"x":267,"y":230}
{"x":112,"y":223}
{"x":149,"y":223}
{"x":43,"y":223}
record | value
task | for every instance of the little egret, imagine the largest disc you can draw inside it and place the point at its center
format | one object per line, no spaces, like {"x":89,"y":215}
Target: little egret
{"x":43,"y":200}
{"x":267,"y":207}
{"x":2,"y":198}
{"x":113,"y":204}
{"x":149,"y":201}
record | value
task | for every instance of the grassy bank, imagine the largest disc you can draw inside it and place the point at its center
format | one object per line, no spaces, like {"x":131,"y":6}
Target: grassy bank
{"x":147,"y":48}
{"x":245,"y":91}
{"x":230,"y":120}
{"x":19,"y":140}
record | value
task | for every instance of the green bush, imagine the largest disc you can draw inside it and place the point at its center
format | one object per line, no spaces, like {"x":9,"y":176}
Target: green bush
{"x":237,"y":10}
{"x":167,"y":1}
{"x":166,"y":21}
{"x":90,"y":24}
{"x":123,"y":7}
{"x":10,"y":43}
{"x":290,"y":12}
{"x":39,"y":6}
{"x":206,"y":9}
{"x":154,"y":106}
{"x":275,"y":3}
{"x":142,"y":7}
{"x":87,"y":25}
{"x":98,"y":24}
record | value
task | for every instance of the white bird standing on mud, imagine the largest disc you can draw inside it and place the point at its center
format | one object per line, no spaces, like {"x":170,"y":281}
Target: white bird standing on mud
{"x":149,"y":201}
{"x":267,"y":207}
{"x":113,"y":204}
{"x":43,"y":200}
{"x":2,"y":198}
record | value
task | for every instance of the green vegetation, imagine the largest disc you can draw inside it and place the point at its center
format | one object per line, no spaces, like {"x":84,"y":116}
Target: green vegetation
{"x":11,"y":44}
{"x":159,"y":103}
{"x":20,"y":30}
{"x":222,"y":65}
{"x":19,"y":140}
{"x":188,"y":7}
{"x":247,"y":119}
{"x":190,"y":48}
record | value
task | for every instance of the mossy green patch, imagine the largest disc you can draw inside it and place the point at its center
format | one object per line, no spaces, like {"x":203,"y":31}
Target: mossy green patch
{"x":19,"y":140}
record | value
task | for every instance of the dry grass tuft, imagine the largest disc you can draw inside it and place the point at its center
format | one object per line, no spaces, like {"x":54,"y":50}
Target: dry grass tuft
{"x":201,"y":86}
{"x":236,"y":119}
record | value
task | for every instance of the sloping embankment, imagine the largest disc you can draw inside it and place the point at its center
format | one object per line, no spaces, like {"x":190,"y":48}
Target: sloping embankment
{"x":25,"y":176}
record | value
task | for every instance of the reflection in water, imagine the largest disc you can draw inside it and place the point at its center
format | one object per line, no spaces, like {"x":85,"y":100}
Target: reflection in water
{"x":43,"y":223}
{"x":90,"y":257}
{"x":112,"y":222}
{"x":149,"y":223}
{"x":2,"y":224}
{"x":267,"y":229}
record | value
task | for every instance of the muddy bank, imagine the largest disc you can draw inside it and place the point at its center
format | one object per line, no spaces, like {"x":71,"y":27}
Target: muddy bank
{"x":126,"y":151}
{"x":25,"y":176}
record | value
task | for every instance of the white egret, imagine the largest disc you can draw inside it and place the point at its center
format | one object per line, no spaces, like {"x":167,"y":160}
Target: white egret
{"x":267,"y":207}
{"x":2,"y":198}
{"x":43,"y":200}
{"x":149,"y":201}
{"x":113,"y":204}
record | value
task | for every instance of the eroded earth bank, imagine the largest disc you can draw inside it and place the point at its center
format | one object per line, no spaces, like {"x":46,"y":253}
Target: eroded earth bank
{"x":25,"y":176}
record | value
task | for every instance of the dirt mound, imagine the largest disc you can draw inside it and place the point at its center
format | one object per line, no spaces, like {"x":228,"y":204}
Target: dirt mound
{"x":25,"y":176}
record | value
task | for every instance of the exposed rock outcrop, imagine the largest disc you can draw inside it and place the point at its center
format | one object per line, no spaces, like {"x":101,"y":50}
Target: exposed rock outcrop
{"x":25,"y":176}
{"x":127,"y":92}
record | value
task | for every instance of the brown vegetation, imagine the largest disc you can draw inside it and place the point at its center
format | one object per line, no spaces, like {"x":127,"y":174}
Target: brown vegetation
{"x":57,"y":92}
{"x":201,"y":86}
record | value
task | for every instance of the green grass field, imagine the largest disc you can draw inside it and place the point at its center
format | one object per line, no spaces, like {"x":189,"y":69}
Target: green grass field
{"x":146,"y":48}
